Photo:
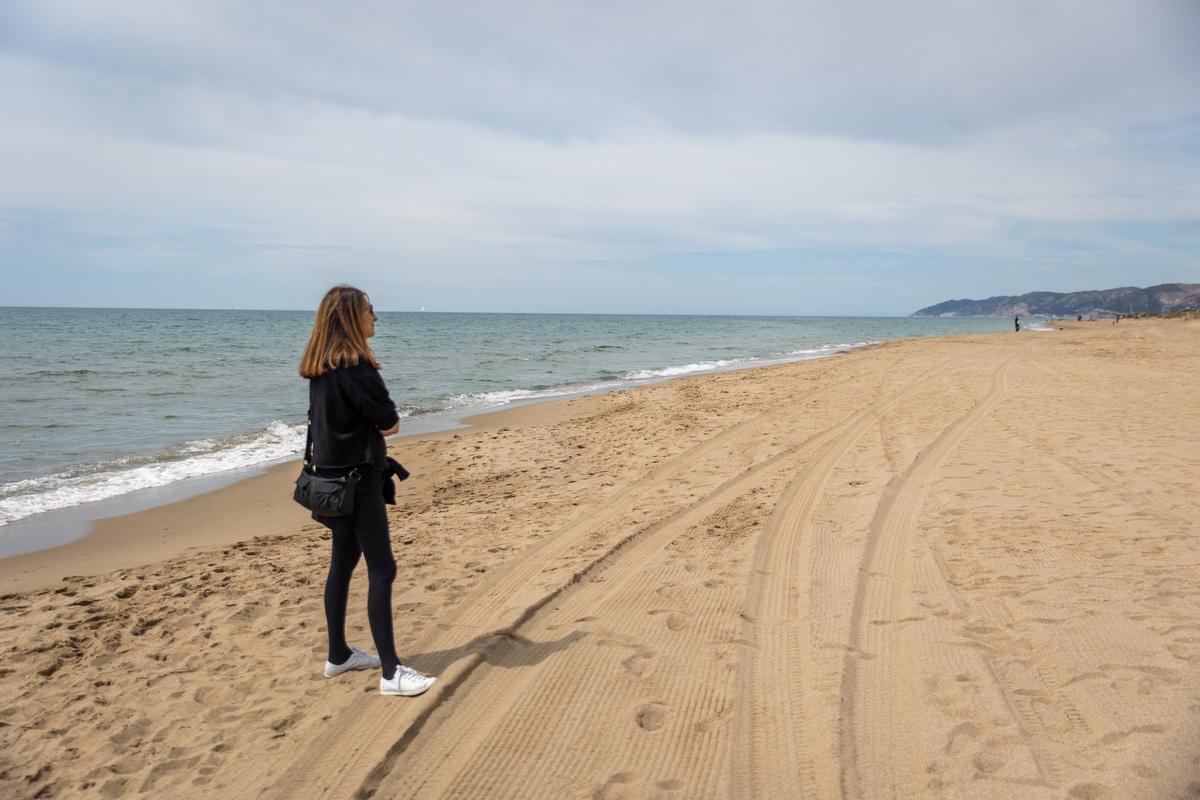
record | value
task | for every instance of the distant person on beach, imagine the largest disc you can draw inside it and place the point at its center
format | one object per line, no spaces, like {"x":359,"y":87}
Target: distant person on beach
{"x":1017,"y":323}
{"x":350,"y":412}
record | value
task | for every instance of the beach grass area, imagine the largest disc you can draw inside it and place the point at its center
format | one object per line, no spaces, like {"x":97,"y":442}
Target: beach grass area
{"x":951,"y":567}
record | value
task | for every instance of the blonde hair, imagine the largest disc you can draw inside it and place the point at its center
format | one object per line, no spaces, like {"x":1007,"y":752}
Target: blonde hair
{"x":338,"y":338}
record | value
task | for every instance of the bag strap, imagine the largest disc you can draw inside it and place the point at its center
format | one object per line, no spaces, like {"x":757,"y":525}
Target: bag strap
{"x":308,"y":442}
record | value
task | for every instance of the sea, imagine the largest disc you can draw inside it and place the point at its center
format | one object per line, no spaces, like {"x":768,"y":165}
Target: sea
{"x":100,"y":403}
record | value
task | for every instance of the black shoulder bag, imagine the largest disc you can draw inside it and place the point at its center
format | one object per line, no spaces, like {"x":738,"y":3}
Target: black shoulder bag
{"x":326,"y":497}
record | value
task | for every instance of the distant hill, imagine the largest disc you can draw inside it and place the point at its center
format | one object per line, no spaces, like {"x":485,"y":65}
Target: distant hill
{"x":1163,"y":299}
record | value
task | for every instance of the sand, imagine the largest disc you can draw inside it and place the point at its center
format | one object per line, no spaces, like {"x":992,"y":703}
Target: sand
{"x":954,"y":568}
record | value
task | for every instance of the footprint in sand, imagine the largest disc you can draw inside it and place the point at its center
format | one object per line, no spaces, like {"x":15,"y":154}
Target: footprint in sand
{"x":640,"y":664}
{"x":715,"y":721}
{"x":989,"y":761}
{"x":651,"y":716}
{"x":677,"y":621}
{"x":617,"y":786}
{"x":1090,"y":791}
{"x":113,"y":788}
{"x":960,"y":737}
{"x":54,"y":666}
{"x":127,"y":764}
{"x":1185,"y":651}
{"x":169,"y":768}
{"x":131,"y":733}
{"x":1116,"y":736}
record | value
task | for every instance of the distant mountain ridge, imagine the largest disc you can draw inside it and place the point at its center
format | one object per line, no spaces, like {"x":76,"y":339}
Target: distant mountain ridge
{"x":1165,"y":298}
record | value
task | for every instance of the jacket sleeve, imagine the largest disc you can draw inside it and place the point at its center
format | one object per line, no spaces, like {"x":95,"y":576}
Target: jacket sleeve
{"x":369,"y":396}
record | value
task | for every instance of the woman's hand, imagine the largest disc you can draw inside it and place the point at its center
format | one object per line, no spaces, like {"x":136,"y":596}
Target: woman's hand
{"x":390,"y":430}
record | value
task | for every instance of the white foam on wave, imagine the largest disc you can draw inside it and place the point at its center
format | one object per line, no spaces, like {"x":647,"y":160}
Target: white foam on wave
{"x":684,"y":369}
{"x":484,"y":400}
{"x":93,"y":482}
{"x":734,"y":363}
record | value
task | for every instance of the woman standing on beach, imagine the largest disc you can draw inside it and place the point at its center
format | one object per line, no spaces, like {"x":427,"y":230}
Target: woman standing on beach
{"x":350,"y":412}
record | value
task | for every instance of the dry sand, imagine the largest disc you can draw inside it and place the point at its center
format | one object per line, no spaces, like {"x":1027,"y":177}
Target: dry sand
{"x":964,"y":567}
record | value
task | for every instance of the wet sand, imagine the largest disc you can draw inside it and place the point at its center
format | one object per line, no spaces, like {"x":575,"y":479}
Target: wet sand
{"x":962,"y":567}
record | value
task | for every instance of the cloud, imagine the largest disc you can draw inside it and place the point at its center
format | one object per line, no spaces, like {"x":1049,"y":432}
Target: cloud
{"x":497,"y":145}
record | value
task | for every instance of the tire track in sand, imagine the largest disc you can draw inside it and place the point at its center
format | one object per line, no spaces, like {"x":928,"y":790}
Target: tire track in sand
{"x":511,"y":719}
{"x":522,"y":583}
{"x":884,"y":690}
{"x":492,"y":613}
{"x":770,"y":755}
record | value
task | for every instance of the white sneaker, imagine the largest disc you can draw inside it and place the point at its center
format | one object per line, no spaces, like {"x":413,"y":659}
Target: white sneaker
{"x":357,"y":660}
{"x":407,"y":682}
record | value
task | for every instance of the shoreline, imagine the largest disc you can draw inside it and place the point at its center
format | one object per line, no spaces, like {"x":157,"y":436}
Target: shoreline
{"x":74,"y":525}
{"x":243,"y":506}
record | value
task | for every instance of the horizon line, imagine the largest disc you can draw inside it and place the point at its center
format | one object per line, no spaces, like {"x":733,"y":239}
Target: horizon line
{"x":422,"y":311}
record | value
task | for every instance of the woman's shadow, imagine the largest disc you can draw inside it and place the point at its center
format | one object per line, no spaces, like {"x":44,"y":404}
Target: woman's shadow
{"x":505,"y":649}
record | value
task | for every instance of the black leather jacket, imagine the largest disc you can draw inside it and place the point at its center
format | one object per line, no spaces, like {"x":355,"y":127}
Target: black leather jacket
{"x":348,"y":407}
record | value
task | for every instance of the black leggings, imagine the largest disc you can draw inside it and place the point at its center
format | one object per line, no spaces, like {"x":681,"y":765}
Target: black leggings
{"x":365,"y":533}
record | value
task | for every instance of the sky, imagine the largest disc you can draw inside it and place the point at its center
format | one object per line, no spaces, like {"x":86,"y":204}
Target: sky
{"x":619,"y":157}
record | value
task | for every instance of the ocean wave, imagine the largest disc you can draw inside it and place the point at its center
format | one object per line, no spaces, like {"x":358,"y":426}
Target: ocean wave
{"x":98,"y":481}
{"x":728,"y":363}
{"x":828,"y":349}
{"x":57,"y":373}
{"x":683,"y":369}
{"x":485,"y":400}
